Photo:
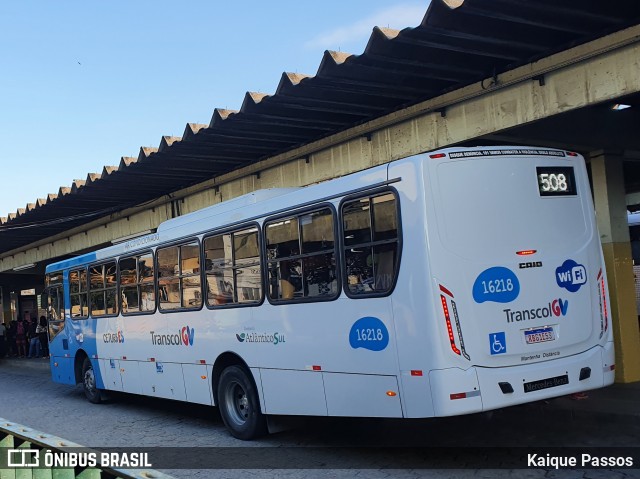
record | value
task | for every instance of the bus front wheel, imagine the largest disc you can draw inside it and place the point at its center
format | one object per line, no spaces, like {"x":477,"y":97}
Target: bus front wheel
{"x":91,"y":391}
{"x":239,"y":404}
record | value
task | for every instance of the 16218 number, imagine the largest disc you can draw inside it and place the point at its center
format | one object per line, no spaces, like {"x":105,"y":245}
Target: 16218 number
{"x":497,"y":286}
{"x":369,"y":334}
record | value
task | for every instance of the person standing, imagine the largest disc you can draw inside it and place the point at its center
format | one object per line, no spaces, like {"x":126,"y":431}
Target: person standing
{"x":11,"y":337}
{"x":42,"y":335}
{"x":34,"y":339}
{"x":3,"y":340}
{"x":21,"y":338}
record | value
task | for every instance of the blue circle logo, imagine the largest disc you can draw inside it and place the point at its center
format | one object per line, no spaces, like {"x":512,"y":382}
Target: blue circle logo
{"x":369,"y":333}
{"x":497,"y":284}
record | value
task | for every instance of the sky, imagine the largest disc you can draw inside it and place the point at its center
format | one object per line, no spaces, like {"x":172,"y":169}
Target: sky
{"x":83,"y":83}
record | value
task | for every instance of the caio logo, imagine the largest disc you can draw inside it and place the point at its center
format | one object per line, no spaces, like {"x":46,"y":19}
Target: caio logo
{"x":530,"y":264}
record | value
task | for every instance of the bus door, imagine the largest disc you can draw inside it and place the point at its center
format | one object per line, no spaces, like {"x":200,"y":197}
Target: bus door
{"x":53,"y":298}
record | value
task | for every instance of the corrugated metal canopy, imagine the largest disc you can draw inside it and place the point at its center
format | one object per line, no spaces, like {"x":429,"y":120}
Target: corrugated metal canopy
{"x":451,"y":48}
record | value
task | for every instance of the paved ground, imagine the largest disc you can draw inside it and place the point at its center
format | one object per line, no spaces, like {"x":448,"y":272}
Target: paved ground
{"x":28,"y":396}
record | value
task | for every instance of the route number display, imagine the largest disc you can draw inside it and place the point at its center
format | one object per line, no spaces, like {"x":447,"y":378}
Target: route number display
{"x":556,"y":181}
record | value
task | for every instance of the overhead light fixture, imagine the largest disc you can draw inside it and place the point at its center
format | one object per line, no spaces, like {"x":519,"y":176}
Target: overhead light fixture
{"x":453,"y":4}
{"x":24,"y":266}
{"x":620,"y":106}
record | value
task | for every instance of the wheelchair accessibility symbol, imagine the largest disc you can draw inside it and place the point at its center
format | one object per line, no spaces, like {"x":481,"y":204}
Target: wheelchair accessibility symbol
{"x":497,"y":343}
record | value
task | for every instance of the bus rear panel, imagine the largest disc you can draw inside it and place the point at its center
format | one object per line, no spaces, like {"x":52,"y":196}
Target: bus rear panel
{"x":519,"y":285}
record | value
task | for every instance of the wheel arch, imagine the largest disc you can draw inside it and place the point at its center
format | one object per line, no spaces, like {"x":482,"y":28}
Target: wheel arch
{"x":225,"y":360}
{"x":81,"y":355}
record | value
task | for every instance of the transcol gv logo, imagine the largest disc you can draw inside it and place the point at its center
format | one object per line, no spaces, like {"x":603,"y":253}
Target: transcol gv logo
{"x":571,"y":275}
{"x":184,"y":336}
{"x":557,"y":307}
{"x":187,"y":336}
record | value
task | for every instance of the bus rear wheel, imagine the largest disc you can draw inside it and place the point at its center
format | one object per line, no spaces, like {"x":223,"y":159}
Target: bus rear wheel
{"x":239,"y":404}
{"x":89,"y":386}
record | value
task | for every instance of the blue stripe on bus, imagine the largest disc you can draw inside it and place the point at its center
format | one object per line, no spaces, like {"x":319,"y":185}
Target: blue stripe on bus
{"x":70,"y":263}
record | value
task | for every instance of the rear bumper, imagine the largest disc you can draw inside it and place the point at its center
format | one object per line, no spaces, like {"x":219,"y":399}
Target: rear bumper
{"x":456,"y":391}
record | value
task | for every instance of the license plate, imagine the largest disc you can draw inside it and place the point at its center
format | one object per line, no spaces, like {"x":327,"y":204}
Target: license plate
{"x":546,"y":383}
{"x":539,"y":335}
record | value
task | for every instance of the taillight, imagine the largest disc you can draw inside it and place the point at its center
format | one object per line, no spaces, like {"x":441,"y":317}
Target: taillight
{"x":602,"y":296}
{"x":604,"y":301}
{"x":447,"y":316}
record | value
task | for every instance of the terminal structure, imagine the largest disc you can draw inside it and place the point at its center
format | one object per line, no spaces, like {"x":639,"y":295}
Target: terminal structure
{"x":473,"y":72}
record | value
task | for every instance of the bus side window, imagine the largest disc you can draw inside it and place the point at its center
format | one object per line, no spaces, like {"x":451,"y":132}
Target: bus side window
{"x":301,"y":257}
{"x":219,"y":269}
{"x":234,"y":274}
{"x":56,"y":305}
{"x":179,"y":277}
{"x":136,"y":284}
{"x":370,"y":226}
{"x":129,"y":296}
{"x":103,"y":299}
{"x":146,"y":282}
{"x":78,"y":293}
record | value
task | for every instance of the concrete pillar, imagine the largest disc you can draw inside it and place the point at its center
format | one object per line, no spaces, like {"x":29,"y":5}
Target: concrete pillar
{"x":611,"y":213}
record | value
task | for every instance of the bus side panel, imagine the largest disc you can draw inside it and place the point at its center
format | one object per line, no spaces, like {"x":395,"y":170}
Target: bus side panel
{"x":110,"y":369}
{"x":323,"y":334}
{"x":62,"y":370}
{"x":345,"y":392}
{"x":163,"y":380}
{"x":129,"y":372}
{"x":197,"y":383}
{"x":460,"y":380}
{"x":293,"y":392}
{"x":413,"y":313}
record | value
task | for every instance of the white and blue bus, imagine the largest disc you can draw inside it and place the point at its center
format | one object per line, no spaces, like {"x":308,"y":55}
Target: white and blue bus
{"x":453,"y":282}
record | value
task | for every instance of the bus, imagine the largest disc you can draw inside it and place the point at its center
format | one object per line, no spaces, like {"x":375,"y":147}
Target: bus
{"x":451,"y":282}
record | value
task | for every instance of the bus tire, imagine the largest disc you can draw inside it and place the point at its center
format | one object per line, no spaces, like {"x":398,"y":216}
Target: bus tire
{"x":91,"y":391}
{"x":239,"y":404}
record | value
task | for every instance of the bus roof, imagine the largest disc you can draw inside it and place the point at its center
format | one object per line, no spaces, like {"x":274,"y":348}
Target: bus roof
{"x":244,"y":208}
{"x":268,"y":201}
